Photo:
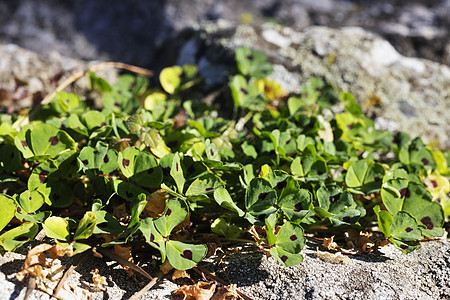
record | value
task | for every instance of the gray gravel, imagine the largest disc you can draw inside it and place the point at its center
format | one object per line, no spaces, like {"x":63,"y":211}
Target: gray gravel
{"x":389,"y":274}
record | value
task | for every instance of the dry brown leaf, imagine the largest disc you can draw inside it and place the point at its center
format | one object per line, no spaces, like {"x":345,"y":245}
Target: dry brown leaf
{"x":180,"y":236}
{"x":36,"y":263}
{"x":59,"y":251}
{"x":125,"y":253}
{"x":360,"y":241}
{"x":36,"y":256}
{"x":177,"y":274}
{"x":382,"y":243}
{"x":199,"y":291}
{"x":108,"y":237}
{"x":255,"y":234}
{"x":330,"y":244}
{"x":156,"y":204}
{"x":228,"y":292}
{"x":98,"y":280}
{"x":213,"y":248}
{"x":46,"y":275}
{"x":121,"y":214}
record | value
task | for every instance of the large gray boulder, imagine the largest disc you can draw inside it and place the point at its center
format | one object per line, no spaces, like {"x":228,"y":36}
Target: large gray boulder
{"x":402,"y":93}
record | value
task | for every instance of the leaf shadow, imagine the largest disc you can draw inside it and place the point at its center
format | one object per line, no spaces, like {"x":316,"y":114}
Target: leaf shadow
{"x":10,"y":268}
{"x":117,"y":276}
{"x":374,"y":257}
{"x":241,"y":268}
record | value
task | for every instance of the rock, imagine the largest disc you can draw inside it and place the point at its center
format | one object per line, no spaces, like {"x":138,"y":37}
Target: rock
{"x":402,"y":93}
{"x":388,"y":274}
{"x":133,"y":31}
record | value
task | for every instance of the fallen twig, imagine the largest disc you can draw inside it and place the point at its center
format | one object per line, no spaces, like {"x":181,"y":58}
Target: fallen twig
{"x":74,"y":77}
{"x":148,"y":286}
{"x":67,"y":273}
{"x":77,"y":75}
{"x":31,"y":285}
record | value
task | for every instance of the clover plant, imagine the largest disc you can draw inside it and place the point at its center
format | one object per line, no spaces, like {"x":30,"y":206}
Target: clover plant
{"x":159,"y":166}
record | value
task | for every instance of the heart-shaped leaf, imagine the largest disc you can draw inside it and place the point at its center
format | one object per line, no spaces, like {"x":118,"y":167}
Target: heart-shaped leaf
{"x":415,"y":199}
{"x":66,"y":101}
{"x":127,"y":190}
{"x":94,"y":119}
{"x":309,"y":168}
{"x":106,"y":223}
{"x":290,"y":237}
{"x":279,"y":179}
{"x":203,"y":185}
{"x":147,"y":173}
{"x":418,"y":202}
{"x":173,"y":78}
{"x":295,"y":206}
{"x":101,"y":158}
{"x":86,"y":226}
{"x":289,"y":242}
{"x":260,"y":198}
{"x":153,"y":237}
{"x":405,"y":247}
{"x":8,"y":209}
{"x":221,"y":227}
{"x":174,"y":214}
{"x":285,"y":257}
{"x":252,"y":62}
{"x":176,"y":171}
{"x":30,"y":201}
{"x":417,"y":153}
{"x":245,"y":95}
{"x":184,"y":256}
{"x":366,"y":174}
{"x":18,"y":236}
{"x":223,"y":198}
{"x":57,"y":228}
{"x":140,"y":166}
{"x":43,"y":140}
{"x":404,"y":227}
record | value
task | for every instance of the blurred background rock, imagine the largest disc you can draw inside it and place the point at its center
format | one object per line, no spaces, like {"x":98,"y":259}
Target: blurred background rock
{"x":133,"y":31}
{"x":40,"y":40}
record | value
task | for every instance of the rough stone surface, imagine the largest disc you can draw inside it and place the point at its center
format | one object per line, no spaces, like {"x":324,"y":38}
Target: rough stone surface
{"x":402,"y":93}
{"x":103,"y":29}
{"x":414,"y":93}
{"x":389,"y":274}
